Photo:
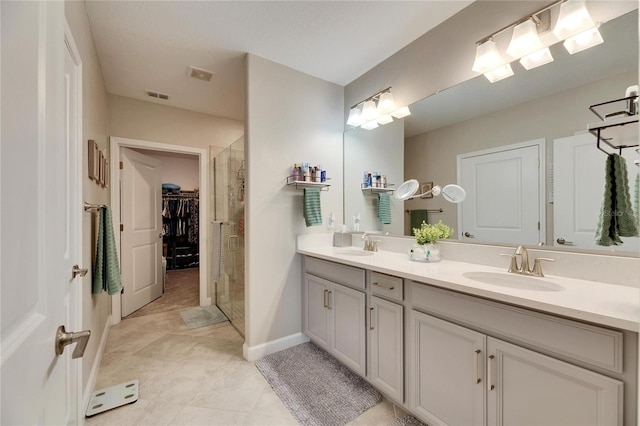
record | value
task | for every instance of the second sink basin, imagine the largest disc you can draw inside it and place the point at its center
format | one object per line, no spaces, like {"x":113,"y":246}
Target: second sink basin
{"x":521,"y":282}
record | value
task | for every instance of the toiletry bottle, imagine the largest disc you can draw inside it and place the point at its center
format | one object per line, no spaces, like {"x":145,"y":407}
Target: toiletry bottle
{"x":318,"y":174}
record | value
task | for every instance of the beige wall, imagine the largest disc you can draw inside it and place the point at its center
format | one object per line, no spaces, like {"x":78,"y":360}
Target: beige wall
{"x":179,"y":169}
{"x":134,"y":119}
{"x":95,"y":308}
{"x":305,"y":127}
{"x":432,"y":156}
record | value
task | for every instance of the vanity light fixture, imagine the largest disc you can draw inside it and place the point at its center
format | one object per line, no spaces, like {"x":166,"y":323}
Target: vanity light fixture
{"x":377,"y":109}
{"x":574,"y":25}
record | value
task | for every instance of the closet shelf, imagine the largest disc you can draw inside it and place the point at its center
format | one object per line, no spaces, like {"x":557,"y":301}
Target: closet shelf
{"x":301,"y":184}
{"x":618,"y":135}
{"x":377,"y":190}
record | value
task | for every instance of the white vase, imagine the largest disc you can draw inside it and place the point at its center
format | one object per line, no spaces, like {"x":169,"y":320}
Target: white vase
{"x":425,"y":252}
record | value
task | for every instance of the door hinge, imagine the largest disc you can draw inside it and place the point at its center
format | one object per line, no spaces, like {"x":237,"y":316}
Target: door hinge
{"x":121,"y":227}
{"x":121,"y":165}
{"x":538,"y":226}
{"x":122,"y":290}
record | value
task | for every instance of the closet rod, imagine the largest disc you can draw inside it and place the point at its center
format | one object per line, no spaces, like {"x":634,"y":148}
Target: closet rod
{"x":90,"y":206}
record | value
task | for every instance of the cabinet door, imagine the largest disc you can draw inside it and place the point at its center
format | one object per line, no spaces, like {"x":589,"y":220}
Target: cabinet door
{"x":527,"y":388}
{"x":385,"y":343}
{"x":348,"y":328}
{"x":316,"y":314}
{"x":447,"y":380}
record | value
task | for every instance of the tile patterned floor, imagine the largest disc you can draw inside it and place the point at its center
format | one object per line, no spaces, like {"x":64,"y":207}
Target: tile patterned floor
{"x":192,"y":377}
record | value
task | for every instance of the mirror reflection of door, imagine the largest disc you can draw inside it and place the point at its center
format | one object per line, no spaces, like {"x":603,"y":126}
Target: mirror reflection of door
{"x":505,"y":189}
{"x":578,"y":187}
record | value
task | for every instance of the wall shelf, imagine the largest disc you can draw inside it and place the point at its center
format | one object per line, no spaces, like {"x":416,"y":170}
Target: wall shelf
{"x":377,"y":190}
{"x":619,"y":135}
{"x":301,"y":184}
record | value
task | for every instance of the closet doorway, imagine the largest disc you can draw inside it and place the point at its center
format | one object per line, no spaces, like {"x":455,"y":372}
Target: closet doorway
{"x":185,"y":245}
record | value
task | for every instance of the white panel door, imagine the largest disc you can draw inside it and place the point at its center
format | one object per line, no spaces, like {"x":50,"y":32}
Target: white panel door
{"x":504,"y":195}
{"x":141,"y":237}
{"x":39,"y":216}
{"x":578,"y":186}
{"x":528,"y":388}
{"x":447,"y":383}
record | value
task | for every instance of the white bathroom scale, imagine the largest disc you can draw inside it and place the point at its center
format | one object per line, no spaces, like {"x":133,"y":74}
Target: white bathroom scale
{"x":109,"y":398}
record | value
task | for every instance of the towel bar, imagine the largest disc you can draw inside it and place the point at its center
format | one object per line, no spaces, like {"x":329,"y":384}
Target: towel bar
{"x":90,"y":206}
{"x":429,"y":211}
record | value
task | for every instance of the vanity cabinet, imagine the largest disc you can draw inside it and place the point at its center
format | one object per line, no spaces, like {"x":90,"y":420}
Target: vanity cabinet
{"x":334,"y":311}
{"x":461,"y":376}
{"x":386,"y":342}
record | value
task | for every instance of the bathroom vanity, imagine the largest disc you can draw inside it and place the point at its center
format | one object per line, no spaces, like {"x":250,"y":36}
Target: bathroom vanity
{"x":461,"y":343}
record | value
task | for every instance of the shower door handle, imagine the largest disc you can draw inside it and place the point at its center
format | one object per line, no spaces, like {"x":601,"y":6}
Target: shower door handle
{"x":232,"y":243}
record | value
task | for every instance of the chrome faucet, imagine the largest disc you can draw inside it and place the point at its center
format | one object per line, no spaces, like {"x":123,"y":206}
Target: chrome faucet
{"x":523,"y":267}
{"x":369,"y":244}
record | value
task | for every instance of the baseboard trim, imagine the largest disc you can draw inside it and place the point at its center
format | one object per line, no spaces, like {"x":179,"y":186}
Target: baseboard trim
{"x":253,"y":353}
{"x":93,"y":375}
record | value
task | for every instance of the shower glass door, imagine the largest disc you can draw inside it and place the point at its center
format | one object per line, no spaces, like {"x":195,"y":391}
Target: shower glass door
{"x":229,"y":195}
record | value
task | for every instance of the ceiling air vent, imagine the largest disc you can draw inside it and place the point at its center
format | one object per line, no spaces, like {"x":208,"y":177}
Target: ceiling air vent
{"x":199,"y":73}
{"x":157,"y":95}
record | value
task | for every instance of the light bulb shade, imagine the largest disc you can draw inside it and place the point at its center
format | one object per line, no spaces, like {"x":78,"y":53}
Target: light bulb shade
{"x":370,"y":125}
{"x":386,"y":105}
{"x":384,"y":119}
{"x":535,"y":59}
{"x":574,"y":18}
{"x":583,"y":41}
{"x":369,"y":112}
{"x":401,"y":112}
{"x":487,"y":57}
{"x":355,"y":117}
{"x":525,"y":40}
{"x":499,"y":73}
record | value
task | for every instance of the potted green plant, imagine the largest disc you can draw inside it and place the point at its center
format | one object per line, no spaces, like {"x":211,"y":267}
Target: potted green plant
{"x":427,"y":237}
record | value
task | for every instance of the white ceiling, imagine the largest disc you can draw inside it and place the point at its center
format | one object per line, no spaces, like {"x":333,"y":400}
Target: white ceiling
{"x":148,"y":45}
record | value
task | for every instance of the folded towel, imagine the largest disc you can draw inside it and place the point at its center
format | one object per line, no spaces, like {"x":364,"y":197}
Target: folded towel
{"x":417,"y":217}
{"x":311,"y":207}
{"x":106,"y":272}
{"x":384,"y":208}
{"x":616,"y":216}
{"x":636,"y":199}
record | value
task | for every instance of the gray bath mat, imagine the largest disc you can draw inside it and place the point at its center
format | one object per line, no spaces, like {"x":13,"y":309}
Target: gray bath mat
{"x":201,"y":316}
{"x":315,"y":387}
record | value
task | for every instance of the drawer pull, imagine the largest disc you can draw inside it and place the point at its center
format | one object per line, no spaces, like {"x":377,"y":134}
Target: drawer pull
{"x":477,"y":356}
{"x":370,"y":318}
{"x":490,"y":386}
{"x":384,"y":286}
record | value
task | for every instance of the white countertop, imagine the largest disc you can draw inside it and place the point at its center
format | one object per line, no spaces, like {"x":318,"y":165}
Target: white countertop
{"x":606,"y":304}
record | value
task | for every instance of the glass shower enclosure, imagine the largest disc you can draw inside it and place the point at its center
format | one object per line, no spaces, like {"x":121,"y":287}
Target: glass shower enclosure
{"x":227,"y":260}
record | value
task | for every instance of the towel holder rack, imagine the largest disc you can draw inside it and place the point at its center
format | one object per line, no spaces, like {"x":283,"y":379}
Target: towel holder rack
{"x":91,"y":206}
{"x":628,"y":115}
{"x":428,"y":211}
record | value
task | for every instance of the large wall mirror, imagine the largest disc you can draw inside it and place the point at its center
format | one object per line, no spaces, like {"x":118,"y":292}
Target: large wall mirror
{"x":545,"y":111}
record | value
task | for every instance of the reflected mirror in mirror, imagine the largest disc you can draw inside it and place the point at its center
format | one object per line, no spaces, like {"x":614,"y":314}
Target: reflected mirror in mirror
{"x":536,"y":120}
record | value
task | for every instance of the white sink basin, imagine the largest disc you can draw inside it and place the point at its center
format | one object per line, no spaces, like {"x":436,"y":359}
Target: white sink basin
{"x":354,"y":252}
{"x":520,"y":282}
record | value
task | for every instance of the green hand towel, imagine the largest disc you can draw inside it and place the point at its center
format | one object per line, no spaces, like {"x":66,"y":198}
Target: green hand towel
{"x":627,"y":226}
{"x":606,"y":233}
{"x":417,"y":217}
{"x":106,"y":273}
{"x":636,"y":199}
{"x":384,"y":208}
{"x":311,"y":207}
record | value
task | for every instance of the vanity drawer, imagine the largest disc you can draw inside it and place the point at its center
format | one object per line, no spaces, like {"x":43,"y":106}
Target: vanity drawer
{"x":573,"y":340}
{"x":342,"y":274}
{"x":386,"y":286}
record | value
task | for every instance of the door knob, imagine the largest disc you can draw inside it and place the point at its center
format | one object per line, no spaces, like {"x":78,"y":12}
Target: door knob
{"x":76,"y":270}
{"x":63,"y":338}
{"x":468,"y":235}
{"x":564,"y":242}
